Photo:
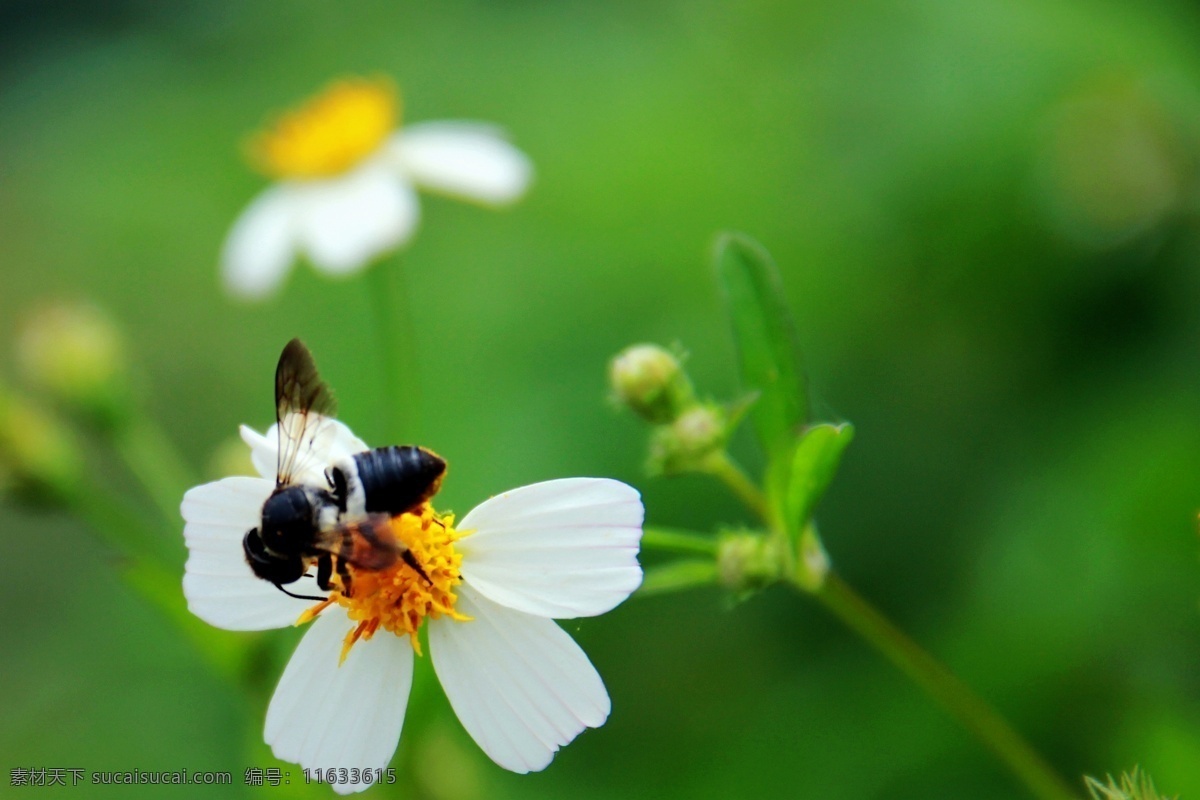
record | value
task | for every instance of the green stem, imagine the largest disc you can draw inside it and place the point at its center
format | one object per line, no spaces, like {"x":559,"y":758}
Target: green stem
{"x":970,"y":710}
{"x":677,"y":577}
{"x":724,"y":468}
{"x":117,"y":526}
{"x":225,"y":654}
{"x":678,"y":541}
{"x":396,"y":338}
{"x":124,"y":531}
{"x":152,"y":458}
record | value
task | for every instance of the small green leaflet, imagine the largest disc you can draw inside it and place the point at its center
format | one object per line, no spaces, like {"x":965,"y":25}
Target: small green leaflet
{"x":764,"y":336}
{"x":798,"y":477}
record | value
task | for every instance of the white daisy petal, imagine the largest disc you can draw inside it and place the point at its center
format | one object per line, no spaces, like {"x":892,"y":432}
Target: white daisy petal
{"x":346,"y":222}
{"x":219,"y":585}
{"x":264,"y":450}
{"x":340,"y":441}
{"x":464,"y":159}
{"x":519,"y":684}
{"x":565,"y":548}
{"x":261,"y":245}
{"x":332,"y":441}
{"x":324,"y":716}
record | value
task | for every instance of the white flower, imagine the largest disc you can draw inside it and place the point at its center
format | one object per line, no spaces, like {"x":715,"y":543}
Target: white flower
{"x":346,"y":177}
{"x":519,"y":684}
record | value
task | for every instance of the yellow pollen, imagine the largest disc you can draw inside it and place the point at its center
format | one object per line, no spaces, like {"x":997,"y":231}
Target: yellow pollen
{"x":330,"y":133}
{"x":398,"y":598}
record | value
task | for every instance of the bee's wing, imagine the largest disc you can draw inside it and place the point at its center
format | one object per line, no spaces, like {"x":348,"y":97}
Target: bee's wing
{"x":367,"y":543}
{"x":303,"y":406}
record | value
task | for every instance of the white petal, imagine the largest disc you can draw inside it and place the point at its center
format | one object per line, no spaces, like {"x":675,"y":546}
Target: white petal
{"x":261,"y":245}
{"x":519,"y":684}
{"x":264,"y":450}
{"x":348,"y":221}
{"x":219,"y":585}
{"x":562,"y":549}
{"x":324,"y":716}
{"x":463,"y":159}
{"x":333,"y":441}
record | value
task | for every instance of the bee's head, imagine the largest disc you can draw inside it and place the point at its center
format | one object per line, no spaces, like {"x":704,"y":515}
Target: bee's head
{"x":287,"y":521}
{"x":273,"y":568}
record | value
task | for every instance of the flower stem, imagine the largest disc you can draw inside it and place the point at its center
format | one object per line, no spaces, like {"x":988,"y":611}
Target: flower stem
{"x":724,"y":468}
{"x":156,"y":581}
{"x":153,"y":460}
{"x":675,"y":540}
{"x":971,"y":711}
{"x":677,"y":577}
{"x":396,"y":337}
{"x":117,"y":526}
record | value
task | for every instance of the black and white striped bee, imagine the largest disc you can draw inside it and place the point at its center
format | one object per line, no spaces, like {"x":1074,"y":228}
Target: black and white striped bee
{"x":342,"y":521}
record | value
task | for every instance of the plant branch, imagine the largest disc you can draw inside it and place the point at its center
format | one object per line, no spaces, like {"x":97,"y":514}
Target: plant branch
{"x":675,"y":540}
{"x":970,"y":710}
{"x":152,"y":458}
{"x":396,"y":340}
{"x":725,"y":469}
{"x":677,"y":577}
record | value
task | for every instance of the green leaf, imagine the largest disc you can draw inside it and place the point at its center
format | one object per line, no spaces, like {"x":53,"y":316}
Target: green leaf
{"x":777,"y":480}
{"x":816,"y":460}
{"x":764,"y":336}
{"x":797,"y":479}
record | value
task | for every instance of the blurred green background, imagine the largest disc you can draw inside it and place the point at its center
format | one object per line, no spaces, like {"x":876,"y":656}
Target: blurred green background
{"x":985,"y":216}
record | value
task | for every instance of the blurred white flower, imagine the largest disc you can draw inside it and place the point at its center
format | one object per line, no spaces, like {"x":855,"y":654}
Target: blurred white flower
{"x":519,"y":684}
{"x":346,"y":174}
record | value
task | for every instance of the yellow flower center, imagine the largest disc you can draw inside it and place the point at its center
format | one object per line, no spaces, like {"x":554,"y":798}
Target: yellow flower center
{"x":330,"y":133}
{"x":398,"y":598}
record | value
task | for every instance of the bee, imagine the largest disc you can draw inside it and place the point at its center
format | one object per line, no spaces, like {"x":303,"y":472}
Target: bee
{"x":343,"y":520}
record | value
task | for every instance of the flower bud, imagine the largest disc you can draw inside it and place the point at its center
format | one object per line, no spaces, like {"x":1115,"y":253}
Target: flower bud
{"x":39,"y":454}
{"x":651,"y":381}
{"x":1134,"y":785}
{"x":73,"y":352}
{"x":685,"y":444}
{"x":748,"y":561}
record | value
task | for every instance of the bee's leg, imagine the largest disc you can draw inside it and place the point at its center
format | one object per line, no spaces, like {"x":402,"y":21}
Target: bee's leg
{"x":298,"y":596}
{"x":344,"y":573}
{"x":324,"y":571}
{"x":341,"y":491}
{"x":408,"y":558}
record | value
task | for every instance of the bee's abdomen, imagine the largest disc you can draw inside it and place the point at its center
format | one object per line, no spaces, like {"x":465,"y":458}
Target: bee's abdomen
{"x":397,"y":479}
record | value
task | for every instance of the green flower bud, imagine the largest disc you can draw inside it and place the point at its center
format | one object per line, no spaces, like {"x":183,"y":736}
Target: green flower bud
{"x":74,"y":353}
{"x":40,"y":455}
{"x":748,"y":561}
{"x":1134,"y":785}
{"x":687,"y":443}
{"x":651,"y":381}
